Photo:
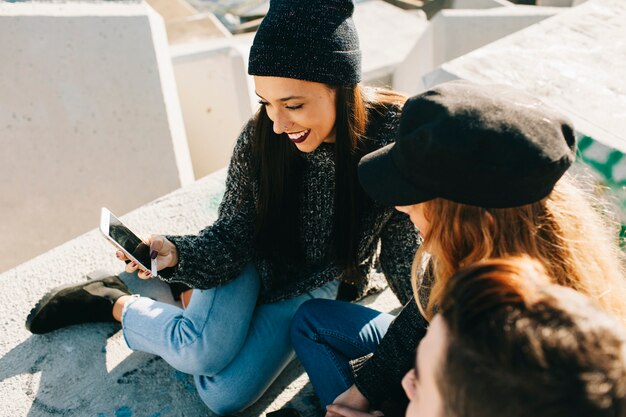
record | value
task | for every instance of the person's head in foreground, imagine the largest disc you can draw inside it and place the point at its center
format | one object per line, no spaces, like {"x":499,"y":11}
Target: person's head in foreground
{"x":480,"y":171}
{"x":506,"y":342}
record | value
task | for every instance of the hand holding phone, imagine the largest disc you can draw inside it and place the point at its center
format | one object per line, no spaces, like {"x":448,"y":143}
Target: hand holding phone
{"x":161,"y":248}
{"x":133,"y":248}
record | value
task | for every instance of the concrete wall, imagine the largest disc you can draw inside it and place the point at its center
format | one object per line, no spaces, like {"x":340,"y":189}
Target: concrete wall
{"x":560,"y":3}
{"x":185,"y":24}
{"x":452,"y":33}
{"x":215,"y":101}
{"x":479,"y":4}
{"x":89,"y":117}
{"x":387,"y":34}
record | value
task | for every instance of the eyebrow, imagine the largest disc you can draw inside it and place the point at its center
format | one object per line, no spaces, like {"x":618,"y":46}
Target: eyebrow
{"x":282,"y":99}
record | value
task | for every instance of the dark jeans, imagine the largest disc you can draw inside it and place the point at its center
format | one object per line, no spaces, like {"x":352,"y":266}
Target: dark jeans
{"x":327,"y":334}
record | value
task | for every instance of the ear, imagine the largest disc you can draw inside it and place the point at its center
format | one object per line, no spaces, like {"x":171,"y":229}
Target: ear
{"x":489,"y":217}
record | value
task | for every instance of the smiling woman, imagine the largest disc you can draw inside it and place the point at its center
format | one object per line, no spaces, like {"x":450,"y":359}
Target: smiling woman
{"x":293,"y":225}
{"x":304,"y":111}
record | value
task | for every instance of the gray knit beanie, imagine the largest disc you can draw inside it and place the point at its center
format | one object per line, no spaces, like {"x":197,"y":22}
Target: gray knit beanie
{"x":311,"y":40}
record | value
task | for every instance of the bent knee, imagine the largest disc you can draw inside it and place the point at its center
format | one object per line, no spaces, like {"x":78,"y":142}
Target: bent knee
{"x":202,"y":358}
{"x":307,"y":319}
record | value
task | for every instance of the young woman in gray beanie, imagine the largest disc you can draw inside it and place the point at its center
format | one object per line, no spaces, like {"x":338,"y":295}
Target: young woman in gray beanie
{"x":293,"y":224}
{"x":481,"y":171}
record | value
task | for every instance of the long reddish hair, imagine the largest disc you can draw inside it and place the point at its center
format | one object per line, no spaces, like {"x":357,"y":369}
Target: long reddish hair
{"x":574,"y":242}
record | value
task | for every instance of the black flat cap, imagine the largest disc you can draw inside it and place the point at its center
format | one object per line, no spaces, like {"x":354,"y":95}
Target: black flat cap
{"x":483,"y":145}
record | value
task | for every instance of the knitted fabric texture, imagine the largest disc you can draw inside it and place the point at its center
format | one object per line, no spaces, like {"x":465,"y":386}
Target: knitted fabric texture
{"x":311,"y":40}
{"x":219,"y":253}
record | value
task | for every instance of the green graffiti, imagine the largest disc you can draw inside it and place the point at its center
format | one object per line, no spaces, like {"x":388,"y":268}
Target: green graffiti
{"x":605,"y":169}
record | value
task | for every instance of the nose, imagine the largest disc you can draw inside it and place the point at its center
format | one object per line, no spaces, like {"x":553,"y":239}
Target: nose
{"x":281,"y":122}
{"x":402,"y":209}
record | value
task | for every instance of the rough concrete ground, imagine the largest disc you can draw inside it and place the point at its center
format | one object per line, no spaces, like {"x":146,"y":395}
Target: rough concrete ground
{"x":87,"y":370}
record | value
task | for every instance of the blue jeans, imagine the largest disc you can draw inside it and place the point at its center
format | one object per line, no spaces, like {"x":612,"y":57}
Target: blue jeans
{"x":327,"y":334}
{"x":233,"y":347}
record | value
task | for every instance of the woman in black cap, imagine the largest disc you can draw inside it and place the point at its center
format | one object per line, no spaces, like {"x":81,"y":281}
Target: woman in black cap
{"x":292,"y":224}
{"x":480,"y":171}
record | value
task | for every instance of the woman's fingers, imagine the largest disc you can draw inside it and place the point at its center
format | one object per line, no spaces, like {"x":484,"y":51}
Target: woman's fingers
{"x":156,"y":245}
{"x":144,"y":274}
{"x":338,"y":410}
{"x":131,"y":267}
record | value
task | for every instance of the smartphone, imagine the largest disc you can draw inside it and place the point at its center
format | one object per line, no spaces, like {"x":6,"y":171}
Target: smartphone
{"x":126,"y":241}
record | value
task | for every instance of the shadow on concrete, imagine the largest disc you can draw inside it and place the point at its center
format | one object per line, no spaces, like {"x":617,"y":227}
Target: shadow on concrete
{"x":87,"y":370}
{"x":93,"y":375}
{"x":291,"y":389}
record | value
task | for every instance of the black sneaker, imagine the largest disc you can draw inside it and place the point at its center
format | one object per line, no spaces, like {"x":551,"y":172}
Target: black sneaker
{"x":88,"y":302}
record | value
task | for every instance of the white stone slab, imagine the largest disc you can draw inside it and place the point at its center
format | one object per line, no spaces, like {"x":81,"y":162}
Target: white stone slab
{"x":89,"y":117}
{"x":215,"y":101}
{"x":453,"y":33}
{"x":480,"y":4}
{"x":387,"y":34}
{"x":556,"y":3}
{"x":575,"y":61}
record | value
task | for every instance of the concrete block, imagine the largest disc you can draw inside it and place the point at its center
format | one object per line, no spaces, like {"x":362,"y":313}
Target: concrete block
{"x":575,"y":61}
{"x":387,"y":34}
{"x":452,"y":33}
{"x":186,"y":24}
{"x":407,"y":76}
{"x":89,"y":117}
{"x":555,"y":3}
{"x":215,"y":100}
{"x":480,"y":4}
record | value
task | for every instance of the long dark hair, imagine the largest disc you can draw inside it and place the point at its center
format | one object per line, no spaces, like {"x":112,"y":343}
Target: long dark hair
{"x":278,"y":165}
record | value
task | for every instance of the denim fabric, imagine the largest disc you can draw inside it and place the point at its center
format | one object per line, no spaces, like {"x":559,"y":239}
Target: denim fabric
{"x":234,"y":348}
{"x":327,"y":334}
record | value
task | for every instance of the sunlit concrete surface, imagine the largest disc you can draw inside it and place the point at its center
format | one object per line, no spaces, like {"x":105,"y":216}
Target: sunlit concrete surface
{"x":452,"y":33}
{"x":185,"y":24}
{"x":215,"y":100}
{"x":89,"y":116}
{"x":478,"y":4}
{"x":387,"y":34}
{"x":560,"y":3}
{"x":87,"y":370}
{"x":575,"y":61}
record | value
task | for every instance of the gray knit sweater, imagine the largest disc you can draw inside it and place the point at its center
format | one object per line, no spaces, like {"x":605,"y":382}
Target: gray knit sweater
{"x":219,"y":253}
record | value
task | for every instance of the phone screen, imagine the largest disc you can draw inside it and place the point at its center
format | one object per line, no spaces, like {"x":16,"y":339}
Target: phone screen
{"x":129,"y":241}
